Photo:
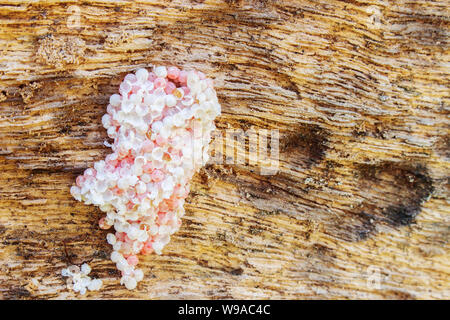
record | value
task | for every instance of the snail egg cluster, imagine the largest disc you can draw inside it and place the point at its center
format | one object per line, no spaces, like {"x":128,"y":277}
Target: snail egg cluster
{"x":161,"y":123}
{"x":78,"y":279}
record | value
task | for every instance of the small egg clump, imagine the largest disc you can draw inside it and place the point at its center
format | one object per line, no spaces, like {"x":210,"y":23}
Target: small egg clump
{"x":78,"y":279}
{"x":161,"y":123}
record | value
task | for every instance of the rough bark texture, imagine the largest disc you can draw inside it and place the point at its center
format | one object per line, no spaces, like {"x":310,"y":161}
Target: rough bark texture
{"x":358,"y":89}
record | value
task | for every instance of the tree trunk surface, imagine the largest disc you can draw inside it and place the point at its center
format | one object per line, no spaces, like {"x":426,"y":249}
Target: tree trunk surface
{"x":359,"y":91}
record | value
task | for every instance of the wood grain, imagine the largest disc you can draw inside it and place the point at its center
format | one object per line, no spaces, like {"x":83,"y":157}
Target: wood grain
{"x":358,"y":89}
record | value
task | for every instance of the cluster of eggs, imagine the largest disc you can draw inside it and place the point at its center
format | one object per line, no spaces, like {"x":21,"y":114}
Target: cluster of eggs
{"x":78,"y":279}
{"x":161,"y":123}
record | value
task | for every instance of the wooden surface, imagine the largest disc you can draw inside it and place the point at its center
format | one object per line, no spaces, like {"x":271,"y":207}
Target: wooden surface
{"x":358,"y":89}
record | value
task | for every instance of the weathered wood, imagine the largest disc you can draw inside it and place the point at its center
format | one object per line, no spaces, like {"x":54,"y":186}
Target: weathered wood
{"x":358,"y":89}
